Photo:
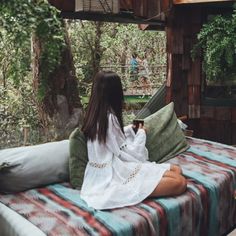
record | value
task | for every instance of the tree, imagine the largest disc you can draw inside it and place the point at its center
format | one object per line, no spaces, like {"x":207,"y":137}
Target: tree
{"x":109,"y":46}
{"x":38,"y":71}
{"x":217,"y":40}
{"x":55,"y":84}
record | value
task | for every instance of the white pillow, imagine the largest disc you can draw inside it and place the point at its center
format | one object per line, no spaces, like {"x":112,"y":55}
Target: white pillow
{"x":32,"y":166}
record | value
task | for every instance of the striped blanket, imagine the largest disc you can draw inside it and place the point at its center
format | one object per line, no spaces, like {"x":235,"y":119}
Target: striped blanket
{"x":208,"y":207}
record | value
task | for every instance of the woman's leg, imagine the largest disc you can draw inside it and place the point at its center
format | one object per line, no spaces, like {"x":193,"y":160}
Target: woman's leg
{"x":171,"y":184}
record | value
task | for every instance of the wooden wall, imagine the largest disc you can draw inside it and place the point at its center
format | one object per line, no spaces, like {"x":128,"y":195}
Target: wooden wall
{"x":63,"y":5}
{"x":151,"y":8}
{"x":184,"y":78}
{"x":218,"y":123}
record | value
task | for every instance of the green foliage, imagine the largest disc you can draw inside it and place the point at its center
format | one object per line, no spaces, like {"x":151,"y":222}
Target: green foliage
{"x":93,"y":44}
{"x":20,"y":22}
{"x":217,"y":40}
{"x":128,"y":117}
{"x":18,"y":107}
{"x":116,"y":44}
{"x":14,"y":61}
{"x":21,"y":19}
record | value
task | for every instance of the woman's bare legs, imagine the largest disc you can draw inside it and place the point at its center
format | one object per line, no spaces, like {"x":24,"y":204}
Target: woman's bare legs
{"x":176,"y":169}
{"x":171,"y":184}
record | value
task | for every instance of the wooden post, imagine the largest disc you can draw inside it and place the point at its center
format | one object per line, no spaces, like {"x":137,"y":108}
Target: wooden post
{"x":26,"y":131}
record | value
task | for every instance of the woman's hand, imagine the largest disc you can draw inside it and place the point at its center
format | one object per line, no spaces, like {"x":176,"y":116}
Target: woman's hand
{"x":141,"y":126}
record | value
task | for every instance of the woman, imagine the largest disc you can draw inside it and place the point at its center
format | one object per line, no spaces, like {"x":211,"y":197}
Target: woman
{"x":118,"y":173}
{"x":134,"y":67}
{"x":144,"y":76}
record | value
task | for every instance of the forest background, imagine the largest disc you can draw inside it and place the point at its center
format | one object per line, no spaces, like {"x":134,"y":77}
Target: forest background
{"x":47,"y":65}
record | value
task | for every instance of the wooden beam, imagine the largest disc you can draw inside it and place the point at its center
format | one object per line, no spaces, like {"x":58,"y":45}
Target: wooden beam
{"x":198,"y":1}
{"x":151,"y":27}
{"x":119,"y":18}
{"x":63,"y":5}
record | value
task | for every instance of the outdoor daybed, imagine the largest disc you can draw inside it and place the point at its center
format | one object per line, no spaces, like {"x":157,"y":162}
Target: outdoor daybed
{"x":208,"y":207}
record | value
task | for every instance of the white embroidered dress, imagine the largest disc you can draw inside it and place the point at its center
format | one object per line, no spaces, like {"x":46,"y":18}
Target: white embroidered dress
{"x":118,"y":173}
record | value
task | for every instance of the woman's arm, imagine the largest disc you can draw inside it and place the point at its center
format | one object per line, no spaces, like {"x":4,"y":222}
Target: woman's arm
{"x":133,"y":150}
{"x":137,"y":147}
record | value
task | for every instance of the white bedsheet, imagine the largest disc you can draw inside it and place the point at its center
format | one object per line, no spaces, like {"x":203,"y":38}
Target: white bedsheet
{"x":13,"y":224}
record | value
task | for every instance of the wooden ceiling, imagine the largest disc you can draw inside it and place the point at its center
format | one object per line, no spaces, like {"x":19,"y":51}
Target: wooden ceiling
{"x":130,"y":11}
{"x":146,"y":12}
{"x":199,"y":1}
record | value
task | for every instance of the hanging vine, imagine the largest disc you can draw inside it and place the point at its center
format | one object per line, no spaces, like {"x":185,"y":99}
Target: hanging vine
{"x":217,"y":41}
{"x":19,"y":20}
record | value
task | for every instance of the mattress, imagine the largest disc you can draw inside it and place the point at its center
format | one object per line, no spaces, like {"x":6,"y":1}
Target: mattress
{"x":208,"y":207}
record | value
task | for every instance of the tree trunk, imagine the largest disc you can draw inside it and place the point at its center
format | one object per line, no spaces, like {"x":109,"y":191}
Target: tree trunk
{"x":95,"y":48}
{"x":60,"y":106}
{"x":97,"y":52}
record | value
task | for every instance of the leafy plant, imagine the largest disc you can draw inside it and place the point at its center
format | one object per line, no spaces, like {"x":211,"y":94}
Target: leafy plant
{"x":17,"y":109}
{"x":19,"y":21}
{"x":217,"y":40}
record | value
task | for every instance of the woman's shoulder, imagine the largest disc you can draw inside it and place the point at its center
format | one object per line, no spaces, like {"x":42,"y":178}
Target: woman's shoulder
{"x":111,"y":116}
{"x":113,"y":120}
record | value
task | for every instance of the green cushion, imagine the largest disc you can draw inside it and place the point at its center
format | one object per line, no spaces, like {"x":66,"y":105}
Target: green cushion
{"x":165,"y":139}
{"x":78,"y":158}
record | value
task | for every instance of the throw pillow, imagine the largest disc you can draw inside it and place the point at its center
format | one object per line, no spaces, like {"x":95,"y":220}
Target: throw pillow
{"x":165,"y":139}
{"x":28,"y":167}
{"x":78,"y":158}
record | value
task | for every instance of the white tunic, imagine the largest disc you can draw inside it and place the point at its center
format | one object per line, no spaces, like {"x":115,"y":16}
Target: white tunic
{"x":118,"y":173}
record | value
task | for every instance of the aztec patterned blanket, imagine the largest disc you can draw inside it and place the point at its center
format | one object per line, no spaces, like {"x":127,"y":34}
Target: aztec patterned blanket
{"x":208,"y":207}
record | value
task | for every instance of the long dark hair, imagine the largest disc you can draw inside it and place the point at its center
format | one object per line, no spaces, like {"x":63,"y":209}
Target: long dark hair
{"x":106,"y":96}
